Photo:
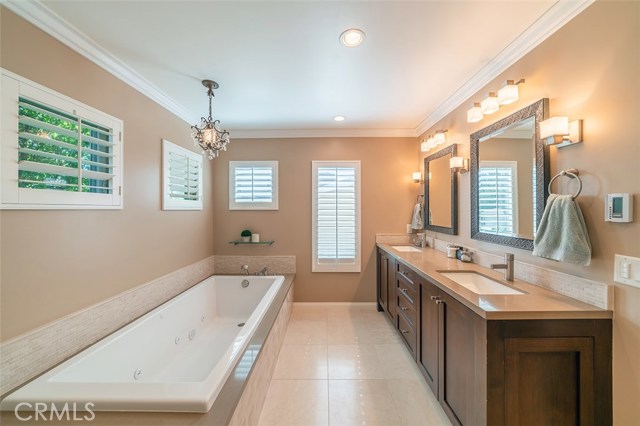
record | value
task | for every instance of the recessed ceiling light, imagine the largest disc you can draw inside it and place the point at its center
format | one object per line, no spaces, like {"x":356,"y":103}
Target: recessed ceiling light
{"x":339,"y":118}
{"x":352,"y":37}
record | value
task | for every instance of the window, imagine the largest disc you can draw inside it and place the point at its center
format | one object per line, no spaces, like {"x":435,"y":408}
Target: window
{"x":253,"y":185}
{"x":181,"y":178}
{"x":336,"y":216}
{"x":56,"y":153}
{"x":497,"y":197}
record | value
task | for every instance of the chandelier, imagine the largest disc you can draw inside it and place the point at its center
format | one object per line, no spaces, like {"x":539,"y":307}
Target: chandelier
{"x":208,"y":135}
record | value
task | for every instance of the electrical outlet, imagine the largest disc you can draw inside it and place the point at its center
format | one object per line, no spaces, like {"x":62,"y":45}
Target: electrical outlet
{"x":626,"y":270}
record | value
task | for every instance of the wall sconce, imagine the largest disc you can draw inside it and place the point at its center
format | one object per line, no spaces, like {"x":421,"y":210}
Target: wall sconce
{"x":459,"y":164}
{"x":490,"y":104}
{"x":475,"y":113}
{"x":506,"y":95}
{"x":417,"y":177}
{"x":560,"y":132}
{"x":509,"y":93}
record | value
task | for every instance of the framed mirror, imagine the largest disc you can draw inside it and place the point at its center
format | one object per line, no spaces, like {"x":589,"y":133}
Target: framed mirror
{"x":509,"y":175}
{"x":440,"y":193}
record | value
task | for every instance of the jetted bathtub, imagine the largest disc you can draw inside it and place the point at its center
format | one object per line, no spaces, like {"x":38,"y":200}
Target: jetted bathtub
{"x":175,"y":358}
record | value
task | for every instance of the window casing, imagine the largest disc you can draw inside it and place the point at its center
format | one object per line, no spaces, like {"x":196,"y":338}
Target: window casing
{"x":182,"y":182}
{"x":336,"y":216}
{"x":56,"y":153}
{"x":253,"y":185}
{"x":497,"y":197}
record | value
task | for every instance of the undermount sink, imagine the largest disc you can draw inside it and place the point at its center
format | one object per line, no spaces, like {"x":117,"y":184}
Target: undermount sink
{"x":406,"y":248}
{"x":479,"y":284}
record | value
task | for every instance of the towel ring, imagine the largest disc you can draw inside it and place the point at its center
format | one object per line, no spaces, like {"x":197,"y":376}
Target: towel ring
{"x":571,"y":173}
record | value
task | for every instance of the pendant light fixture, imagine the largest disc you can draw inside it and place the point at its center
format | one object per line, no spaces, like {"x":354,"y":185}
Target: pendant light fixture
{"x":208,"y":135}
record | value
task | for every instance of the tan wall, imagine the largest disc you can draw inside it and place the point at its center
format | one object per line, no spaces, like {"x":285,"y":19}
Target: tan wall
{"x":589,"y":69}
{"x":57,"y":262}
{"x":387,"y":197}
{"x":521,"y":151}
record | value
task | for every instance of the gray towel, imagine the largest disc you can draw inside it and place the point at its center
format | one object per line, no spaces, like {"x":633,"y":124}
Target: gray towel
{"x":416,"y":221}
{"x":562,"y":234}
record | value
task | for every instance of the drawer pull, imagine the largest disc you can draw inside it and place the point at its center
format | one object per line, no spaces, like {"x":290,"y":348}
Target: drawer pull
{"x":403,"y":308}
{"x":435,"y":297}
{"x":439,"y":302}
{"x":404,"y":331}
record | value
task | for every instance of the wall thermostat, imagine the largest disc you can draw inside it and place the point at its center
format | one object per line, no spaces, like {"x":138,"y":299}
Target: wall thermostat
{"x":618,"y":207}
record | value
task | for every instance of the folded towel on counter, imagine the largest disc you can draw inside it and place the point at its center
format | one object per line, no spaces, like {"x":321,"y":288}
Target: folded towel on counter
{"x":562,"y":234}
{"x":417,"y":222}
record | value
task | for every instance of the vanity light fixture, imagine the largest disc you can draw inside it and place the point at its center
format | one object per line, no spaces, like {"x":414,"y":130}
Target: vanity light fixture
{"x":424,"y":146}
{"x":352,"y":37}
{"x":439,"y":138}
{"x":417,"y":177}
{"x":560,"y":132}
{"x":509,"y":93}
{"x":490,"y":104}
{"x":475,"y":113}
{"x":459,"y":164}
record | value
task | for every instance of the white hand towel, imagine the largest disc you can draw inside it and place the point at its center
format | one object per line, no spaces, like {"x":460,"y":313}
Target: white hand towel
{"x":562,"y":234}
{"x":417,"y":222}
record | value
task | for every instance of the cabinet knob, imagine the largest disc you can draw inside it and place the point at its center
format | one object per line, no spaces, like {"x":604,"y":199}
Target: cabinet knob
{"x":403,"y":308}
{"x":439,"y":302}
{"x":404,"y":331}
{"x":435,"y":297}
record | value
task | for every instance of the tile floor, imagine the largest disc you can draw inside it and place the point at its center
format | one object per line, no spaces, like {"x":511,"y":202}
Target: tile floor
{"x":344,"y":365}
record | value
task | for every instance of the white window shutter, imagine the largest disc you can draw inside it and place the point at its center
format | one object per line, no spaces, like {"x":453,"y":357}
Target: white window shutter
{"x":253,"y":185}
{"x":182,"y":181}
{"x":497,"y":203}
{"x":336,"y":216}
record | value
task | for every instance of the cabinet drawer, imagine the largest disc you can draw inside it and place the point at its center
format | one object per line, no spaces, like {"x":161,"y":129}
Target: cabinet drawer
{"x":408,"y":333}
{"x":407,"y":275}
{"x":408,"y":292}
{"x":407,"y":309}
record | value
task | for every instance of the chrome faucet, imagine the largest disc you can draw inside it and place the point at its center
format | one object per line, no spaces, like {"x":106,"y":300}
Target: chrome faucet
{"x":245,"y":269}
{"x":507,"y":266}
{"x":263,"y":271}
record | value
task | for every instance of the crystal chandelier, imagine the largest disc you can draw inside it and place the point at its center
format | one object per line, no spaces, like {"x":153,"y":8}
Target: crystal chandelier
{"x":208,"y":135}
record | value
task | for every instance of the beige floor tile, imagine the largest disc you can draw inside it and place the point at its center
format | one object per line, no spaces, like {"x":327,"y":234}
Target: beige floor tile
{"x":397,"y":361}
{"x":360,"y":331}
{"x":361,"y":402}
{"x":296,"y":403}
{"x":354,"y":362}
{"x":306,"y":333}
{"x":301,"y":362}
{"x":308,"y":312}
{"x":416,"y":403}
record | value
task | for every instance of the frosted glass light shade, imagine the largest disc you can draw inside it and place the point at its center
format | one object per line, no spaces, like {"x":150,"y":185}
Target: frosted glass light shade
{"x":490,"y":104}
{"x":554,"y":129}
{"x":424,"y":146}
{"x":417,"y":177}
{"x":508,"y":94}
{"x":475,"y":113}
{"x":439,"y":138}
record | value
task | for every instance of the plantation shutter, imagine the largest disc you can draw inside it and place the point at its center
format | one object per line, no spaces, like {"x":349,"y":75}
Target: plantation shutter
{"x":496,"y":192}
{"x":182,"y":178}
{"x":61,"y":151}
{"x":253,"y":185}
{"x":336,"y":217}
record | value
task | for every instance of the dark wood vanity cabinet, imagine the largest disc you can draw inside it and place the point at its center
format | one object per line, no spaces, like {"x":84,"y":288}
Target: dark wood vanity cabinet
{"x":502,"y":372}
{"x":386,"y":283}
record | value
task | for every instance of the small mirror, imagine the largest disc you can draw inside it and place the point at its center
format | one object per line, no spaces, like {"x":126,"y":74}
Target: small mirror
{"x":440,"y":193}
{"x":509,"y":176}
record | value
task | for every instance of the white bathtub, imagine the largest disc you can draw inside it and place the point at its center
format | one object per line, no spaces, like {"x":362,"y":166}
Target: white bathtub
{"x":175,"y":358}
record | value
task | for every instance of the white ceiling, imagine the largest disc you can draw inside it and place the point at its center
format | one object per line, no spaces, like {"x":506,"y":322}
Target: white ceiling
{"x":280,"y":65}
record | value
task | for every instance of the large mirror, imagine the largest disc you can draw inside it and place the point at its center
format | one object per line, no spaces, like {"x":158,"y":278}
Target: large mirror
{"x":440,"y":193}
{"x":509,"y":177}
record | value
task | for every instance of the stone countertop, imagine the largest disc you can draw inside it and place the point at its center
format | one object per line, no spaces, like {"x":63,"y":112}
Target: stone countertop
{"x":536,"y":303}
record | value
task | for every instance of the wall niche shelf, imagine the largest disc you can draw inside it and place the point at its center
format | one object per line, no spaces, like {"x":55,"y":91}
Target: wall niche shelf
{"x":235,"y":243}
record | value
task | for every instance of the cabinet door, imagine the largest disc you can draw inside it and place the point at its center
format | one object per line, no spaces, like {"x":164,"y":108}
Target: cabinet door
{"x":461,"y":360}
{"x":383,"y":280}
{"x":428,"y":338}
{"x":392,"y":281}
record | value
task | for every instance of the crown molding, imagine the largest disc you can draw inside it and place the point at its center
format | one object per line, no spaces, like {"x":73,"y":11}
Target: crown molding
{"x":551,"y":21}
{"x":322,"y":133}
{"x":48,"y":21}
